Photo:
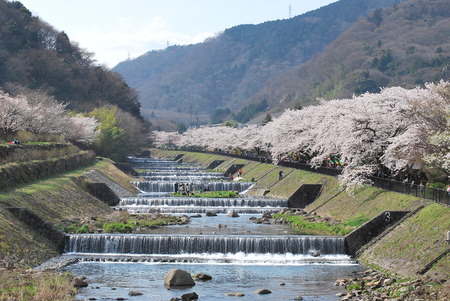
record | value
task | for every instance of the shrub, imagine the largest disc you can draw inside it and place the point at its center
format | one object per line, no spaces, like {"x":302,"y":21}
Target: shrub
{"x":118,"y":227}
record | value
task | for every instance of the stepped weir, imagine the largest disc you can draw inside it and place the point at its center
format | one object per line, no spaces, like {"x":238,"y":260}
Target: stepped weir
{"x":236,"y":251}
{"x":197,"y":244}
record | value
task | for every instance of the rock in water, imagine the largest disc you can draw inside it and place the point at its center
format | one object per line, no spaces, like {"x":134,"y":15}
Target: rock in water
{"x":177,"y":277}
{"x":262,"y":292}
{"x":232,"y":214}
{"x":235,"y":294}
{"x":80,"y":282}
{"x":201,"y":276}
{"x":189,"y":296}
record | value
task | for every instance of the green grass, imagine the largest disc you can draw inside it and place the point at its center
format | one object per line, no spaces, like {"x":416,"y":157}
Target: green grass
{"x":118,"y":227}
{"x":306,"y":227}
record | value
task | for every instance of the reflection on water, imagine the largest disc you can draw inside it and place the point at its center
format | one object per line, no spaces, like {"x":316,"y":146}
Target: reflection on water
{"x":114,"y":280}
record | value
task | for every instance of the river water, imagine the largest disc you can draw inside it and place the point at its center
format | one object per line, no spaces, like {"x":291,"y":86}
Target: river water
{"x":240,"y":255}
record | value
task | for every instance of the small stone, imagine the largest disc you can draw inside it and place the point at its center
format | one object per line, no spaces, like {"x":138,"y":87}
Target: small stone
{"x":235,"y":294}
{"x":388,"y":281}
{"x":189,"y":296}
{"x":210,"y":213}
{"x":201,"y":276}
{"x":282,"y":283}
{"x":232,"y":214}
{"x":299,"y":298}
{"x":80,"y":282}
{"x":132,"y":293}
{"x":262,"y":292}
{"x":121,"y":299}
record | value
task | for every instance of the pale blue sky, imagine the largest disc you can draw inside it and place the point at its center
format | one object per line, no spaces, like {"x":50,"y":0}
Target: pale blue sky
{"x":117,"y":29}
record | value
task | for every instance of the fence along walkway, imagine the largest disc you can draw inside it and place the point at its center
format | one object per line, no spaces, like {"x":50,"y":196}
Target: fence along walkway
{"x":433,"y":194}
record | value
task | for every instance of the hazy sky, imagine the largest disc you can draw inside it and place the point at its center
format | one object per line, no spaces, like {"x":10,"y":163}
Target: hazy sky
{"x":117,"y":29}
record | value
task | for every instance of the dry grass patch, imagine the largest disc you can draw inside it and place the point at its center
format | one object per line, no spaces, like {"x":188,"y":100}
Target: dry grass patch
{"x":30,"y":286}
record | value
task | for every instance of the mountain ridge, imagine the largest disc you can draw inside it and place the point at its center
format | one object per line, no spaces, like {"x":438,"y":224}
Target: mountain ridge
{"x":226,"y":70}
{"x":409,"y":47}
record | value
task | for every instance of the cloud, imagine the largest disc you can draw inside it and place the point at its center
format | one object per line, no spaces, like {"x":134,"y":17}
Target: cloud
{"x":131,"y":40}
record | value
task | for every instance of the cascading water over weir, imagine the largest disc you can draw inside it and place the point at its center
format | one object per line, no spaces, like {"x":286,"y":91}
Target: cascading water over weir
{"x":197,"y":244}
{"x":218,"y":245}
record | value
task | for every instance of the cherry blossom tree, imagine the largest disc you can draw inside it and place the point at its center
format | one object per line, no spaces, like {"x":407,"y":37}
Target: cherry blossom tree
{"x":11,"y":113}
{"x":36,"y":112}
{"x":394,"y":129}
{"x":80,"y":128}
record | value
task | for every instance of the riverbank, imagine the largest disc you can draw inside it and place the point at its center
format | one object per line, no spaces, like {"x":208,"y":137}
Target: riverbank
{"x":413,"y":246}
{"x":51,"y":201}
{"x":411,"y":250}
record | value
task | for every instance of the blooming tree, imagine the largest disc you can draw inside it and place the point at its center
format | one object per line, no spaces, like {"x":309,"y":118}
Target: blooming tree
{"x":11,"y":113}
{"x":394,"y":129}
{"x":36,"y":112}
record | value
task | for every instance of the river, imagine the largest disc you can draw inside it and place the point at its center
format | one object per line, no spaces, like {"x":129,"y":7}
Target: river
{"x":240,"y":255}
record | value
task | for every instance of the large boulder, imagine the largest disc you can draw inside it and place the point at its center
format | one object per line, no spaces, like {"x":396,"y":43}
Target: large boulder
{"x":178,"y":277}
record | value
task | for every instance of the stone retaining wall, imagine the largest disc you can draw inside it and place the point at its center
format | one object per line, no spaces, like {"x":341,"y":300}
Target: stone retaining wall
{"x":15,"y":174}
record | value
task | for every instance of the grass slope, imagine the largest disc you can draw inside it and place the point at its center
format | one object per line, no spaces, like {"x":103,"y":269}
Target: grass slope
{"x":54,"y":199}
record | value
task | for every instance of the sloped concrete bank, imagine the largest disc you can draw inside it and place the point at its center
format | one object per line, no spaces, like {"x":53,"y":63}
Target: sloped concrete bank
{"x":28,"y":212}
{"x":411,"y":248}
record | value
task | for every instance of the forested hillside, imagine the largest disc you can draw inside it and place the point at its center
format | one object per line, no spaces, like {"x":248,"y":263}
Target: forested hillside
{"x":407,"y":45}
{"x":34,"y":55}
{"x":225,"y":71}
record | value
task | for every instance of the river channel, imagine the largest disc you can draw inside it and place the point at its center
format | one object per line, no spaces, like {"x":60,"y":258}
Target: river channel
{"x":240,"y":255}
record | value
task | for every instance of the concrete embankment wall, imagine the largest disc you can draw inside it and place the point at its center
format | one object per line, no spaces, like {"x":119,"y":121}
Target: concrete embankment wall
{"x":405,"y":250}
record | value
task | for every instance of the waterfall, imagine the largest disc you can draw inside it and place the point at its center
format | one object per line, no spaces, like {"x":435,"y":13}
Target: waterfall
{"x":182,"y":173}
{"x":182,"y":179}
{"x":199,"y":209}
{"x":205,"y":202}
{"x":149,"y":186}
{"x":198,"y":244}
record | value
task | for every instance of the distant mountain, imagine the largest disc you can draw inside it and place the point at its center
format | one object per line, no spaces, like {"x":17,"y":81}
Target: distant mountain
{"x":225,"y":71}
{"x":406,"y":45}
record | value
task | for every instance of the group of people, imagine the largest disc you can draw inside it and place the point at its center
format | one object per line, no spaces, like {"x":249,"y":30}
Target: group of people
{"x":188,"y":189}
{"x":240,"y":171}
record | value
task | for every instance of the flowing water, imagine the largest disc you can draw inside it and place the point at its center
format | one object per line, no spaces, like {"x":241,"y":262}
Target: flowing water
{"x":241,"y":255}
